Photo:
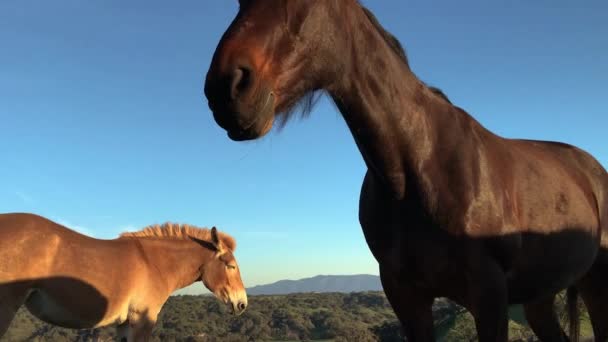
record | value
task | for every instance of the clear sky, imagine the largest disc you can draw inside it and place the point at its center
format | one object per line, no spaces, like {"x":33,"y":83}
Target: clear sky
{"x":104,"y":128}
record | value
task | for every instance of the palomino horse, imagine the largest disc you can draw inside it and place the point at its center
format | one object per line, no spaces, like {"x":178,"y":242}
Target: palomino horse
{"x":448,"y":208}
{"x":74,"y":281}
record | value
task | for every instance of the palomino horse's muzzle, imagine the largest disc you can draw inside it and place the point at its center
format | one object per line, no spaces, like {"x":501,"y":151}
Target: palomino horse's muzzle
{"x":238,"y":307}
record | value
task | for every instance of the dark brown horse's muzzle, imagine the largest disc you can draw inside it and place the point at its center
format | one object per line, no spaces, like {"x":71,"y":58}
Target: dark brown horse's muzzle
{"x":244,"y":117}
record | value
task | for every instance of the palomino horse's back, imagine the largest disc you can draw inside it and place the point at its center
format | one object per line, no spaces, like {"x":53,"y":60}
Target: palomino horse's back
{"x":43,"y":264}
{"x":28,"y":234}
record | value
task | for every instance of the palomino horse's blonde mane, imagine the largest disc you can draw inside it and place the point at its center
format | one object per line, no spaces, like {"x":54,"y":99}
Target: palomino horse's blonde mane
{"x":180,"y":232}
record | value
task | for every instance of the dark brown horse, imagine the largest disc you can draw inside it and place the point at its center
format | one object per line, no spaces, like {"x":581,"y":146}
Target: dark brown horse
{"x":448,"y":208}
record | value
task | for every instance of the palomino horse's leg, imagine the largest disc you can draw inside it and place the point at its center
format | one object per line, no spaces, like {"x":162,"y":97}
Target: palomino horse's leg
{"x":594,"y":291}
{"x":122,"y":332}
{"x":488,"y":300}
{"x":142,"y":330}
{"x":141,"y":325}
{"x":543,"y":320}
{"x":414,"y":310}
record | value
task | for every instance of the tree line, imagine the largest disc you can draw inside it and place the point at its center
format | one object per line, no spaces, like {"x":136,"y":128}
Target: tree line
{"x":337,"y":317}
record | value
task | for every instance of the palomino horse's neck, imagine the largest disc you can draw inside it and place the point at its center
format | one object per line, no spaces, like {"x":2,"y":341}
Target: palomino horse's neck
{"x":394,"y":118}
{"x":177,"y":262}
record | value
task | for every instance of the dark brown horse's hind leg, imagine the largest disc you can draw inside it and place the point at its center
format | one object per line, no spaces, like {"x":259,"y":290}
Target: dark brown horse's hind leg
{"x":543,"y":320}
{"x":488,"y":300}
{"x":7,"y":313}
{"x":594,"y":291}
{"x":11,"y":299}
{"x":413,"y":309}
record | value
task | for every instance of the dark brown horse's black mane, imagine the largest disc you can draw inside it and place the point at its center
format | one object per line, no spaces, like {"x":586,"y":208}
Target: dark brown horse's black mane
{"x":390,"y":39}
{"x":308,"y":101}
{"x":395,"y":44}
{"x":439,"y":93}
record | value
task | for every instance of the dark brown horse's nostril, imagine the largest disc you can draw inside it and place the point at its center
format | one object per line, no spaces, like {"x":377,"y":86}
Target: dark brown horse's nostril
{"x":241,"y":79}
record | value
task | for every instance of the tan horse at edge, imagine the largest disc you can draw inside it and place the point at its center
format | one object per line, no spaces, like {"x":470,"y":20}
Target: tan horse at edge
{"x":75,"y":281}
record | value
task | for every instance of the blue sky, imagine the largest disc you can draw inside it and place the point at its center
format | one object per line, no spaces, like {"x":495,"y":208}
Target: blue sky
{"x":104,"y":126}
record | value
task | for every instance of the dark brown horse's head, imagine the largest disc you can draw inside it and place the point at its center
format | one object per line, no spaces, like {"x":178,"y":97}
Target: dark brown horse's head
{"x":273,"y":54}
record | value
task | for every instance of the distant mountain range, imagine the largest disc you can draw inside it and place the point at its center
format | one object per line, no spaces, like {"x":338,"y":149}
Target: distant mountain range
{"x":320,"y":283}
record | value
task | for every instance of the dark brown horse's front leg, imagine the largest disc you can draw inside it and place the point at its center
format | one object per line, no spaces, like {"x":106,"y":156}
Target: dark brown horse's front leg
{"x":488,"y":300}
{"x":413,"y":309}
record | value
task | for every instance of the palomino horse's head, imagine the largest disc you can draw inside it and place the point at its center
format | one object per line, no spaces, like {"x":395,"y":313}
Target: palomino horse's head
{"x":273,"y":54}
{"x":221,"y":274}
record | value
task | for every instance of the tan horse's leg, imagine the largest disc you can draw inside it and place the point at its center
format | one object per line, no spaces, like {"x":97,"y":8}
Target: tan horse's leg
{"x":139,"y":331}
{"x":122,"y":332}
{"x":142,"y":330}
{"x":414,"y":310}
{"x":139,"y":326}
{"x":543,"y":320}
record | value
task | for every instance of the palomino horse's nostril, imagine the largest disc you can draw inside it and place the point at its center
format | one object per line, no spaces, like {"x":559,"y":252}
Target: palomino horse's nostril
{"x":241,"y":78}
{"x":242,"y":306}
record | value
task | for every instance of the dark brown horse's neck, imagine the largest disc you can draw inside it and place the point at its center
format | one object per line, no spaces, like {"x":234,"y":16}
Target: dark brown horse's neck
{"x":395,"y":119}
{"x":176,"y":262}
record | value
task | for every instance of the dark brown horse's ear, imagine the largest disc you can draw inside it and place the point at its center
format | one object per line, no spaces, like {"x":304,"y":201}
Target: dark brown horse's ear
{"x":214,"y":238}
{"x":206,"y":244}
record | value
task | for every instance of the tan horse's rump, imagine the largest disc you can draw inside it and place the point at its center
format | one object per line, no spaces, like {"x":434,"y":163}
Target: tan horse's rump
{"x":75,"y":281}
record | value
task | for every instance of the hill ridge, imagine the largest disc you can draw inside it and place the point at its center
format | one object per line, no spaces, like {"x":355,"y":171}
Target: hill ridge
{"x":321,"y":283}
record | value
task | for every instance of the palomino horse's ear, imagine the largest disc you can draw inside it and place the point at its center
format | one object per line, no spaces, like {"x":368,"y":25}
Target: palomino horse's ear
{"x":214,"y":238}
{"x":206,"y":244}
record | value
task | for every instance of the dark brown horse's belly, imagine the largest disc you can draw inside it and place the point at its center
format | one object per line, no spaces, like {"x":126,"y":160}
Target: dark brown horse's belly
{"x":441,"y":264}
{"x":430,"y":258}
{"x":547,"y":264}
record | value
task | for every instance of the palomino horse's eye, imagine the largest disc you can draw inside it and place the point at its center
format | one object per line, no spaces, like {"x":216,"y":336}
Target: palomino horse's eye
{"x":231,"y":267}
